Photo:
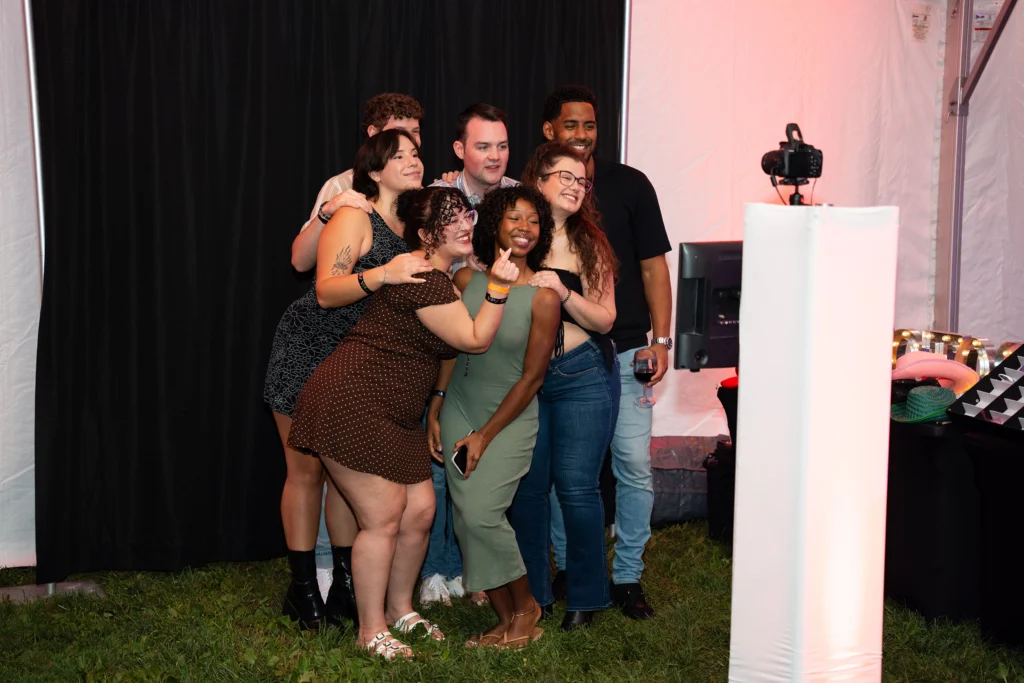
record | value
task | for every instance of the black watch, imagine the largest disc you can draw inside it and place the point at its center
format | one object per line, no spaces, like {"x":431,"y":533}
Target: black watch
{"x":320,"y":214}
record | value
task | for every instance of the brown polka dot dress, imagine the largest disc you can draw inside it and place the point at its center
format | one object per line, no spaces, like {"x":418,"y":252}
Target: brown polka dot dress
{"x":363,"y":406}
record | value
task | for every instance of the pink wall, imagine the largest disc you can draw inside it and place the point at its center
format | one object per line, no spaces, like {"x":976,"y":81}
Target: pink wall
{"x":712,"y":87}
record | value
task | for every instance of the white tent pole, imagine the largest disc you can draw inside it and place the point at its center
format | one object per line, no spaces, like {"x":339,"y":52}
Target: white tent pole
{"x":624,"y":117}
{"x":31,"y":58}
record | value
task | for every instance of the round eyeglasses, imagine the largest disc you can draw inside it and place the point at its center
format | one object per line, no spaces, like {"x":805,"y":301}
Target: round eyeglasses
{"x":567,"y":178}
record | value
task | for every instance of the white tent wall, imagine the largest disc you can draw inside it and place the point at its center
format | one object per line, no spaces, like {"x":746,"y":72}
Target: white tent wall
{"x":992,"y":256}
{"x":712,"y":86}
{"x":19,"y":293}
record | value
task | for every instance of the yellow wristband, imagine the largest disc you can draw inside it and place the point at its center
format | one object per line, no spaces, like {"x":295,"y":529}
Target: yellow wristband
{"x":496,"y":289}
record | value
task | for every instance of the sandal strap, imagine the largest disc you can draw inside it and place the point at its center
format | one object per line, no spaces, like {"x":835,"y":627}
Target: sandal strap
{"x":386,"y":646}
{"x":536,"y":606}
{"x":404,"y":626}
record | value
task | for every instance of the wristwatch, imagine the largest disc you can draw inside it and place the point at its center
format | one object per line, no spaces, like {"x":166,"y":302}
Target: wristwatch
{"x":324,"y":218}
{"x":667,"y":341}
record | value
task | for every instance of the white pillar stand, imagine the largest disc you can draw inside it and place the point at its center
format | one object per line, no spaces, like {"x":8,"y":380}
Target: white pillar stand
{"x":811,"y":467}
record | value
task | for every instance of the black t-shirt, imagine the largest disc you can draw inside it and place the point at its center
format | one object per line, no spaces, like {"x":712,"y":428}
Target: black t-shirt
{"x":632,"y":220}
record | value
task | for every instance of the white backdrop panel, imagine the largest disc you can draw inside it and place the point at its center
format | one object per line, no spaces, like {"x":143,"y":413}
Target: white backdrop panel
{"x":19,"y":295}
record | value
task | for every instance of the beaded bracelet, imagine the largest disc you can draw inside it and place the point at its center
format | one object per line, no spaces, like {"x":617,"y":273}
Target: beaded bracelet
{"x":567,"y":297}
{"x":362,"y":283}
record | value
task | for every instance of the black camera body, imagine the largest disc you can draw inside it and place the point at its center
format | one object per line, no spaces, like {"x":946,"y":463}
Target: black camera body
{"x":794,"y":160}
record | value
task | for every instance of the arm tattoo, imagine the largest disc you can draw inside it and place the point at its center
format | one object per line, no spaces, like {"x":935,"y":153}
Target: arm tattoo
{"x":342,"y":261}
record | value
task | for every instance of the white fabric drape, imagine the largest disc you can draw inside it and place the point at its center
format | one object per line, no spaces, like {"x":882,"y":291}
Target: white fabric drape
{"x":20,"y":292}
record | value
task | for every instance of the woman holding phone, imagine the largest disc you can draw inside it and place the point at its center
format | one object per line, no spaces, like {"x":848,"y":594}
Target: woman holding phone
{"x":361,"y":411}
{"x":487,"y":427}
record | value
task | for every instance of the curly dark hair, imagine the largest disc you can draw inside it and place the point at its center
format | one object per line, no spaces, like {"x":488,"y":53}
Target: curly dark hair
{"x":430,"y":209}
{"x":373,"y":156}
{"x":564,"y":95}
{"x":583,"y":229}
{"x":380,"y":108}
{"x":491,"y":212}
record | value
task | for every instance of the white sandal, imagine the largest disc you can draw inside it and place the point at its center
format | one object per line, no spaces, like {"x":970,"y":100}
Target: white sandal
{"x":407,"y":625}
{"x":386,"y":646}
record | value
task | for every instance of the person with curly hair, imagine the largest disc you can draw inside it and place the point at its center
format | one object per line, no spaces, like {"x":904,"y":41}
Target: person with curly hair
{"x":361,"y":410}
{"x":490,"y":408}
{"x":481,"y":141}
{"x":579,"y":400}
{"x":358,"y":251}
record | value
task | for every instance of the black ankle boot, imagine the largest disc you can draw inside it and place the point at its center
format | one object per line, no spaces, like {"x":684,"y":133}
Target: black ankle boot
{"x":574,"y":620}
{"x":302,"y":602}
{"x":341,"y":599}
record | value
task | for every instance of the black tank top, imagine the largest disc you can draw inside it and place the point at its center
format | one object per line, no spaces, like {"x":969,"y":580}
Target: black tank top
{"x":573,"y":282}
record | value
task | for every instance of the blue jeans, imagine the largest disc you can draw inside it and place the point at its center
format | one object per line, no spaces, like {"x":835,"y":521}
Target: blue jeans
{"x":324,"y":554}
{"x":634,"y":484}
{"x":578,"y":406}
{"x":443,"y":555}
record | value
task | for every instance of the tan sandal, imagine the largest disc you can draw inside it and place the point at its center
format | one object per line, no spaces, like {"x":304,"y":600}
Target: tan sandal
{"x":522,"y":641}
{"x":478,"y":639}
{"x":387,"y":647}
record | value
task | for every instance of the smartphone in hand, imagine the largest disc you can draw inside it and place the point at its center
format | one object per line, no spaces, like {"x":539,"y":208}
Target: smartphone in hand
{"x":460,"y":459}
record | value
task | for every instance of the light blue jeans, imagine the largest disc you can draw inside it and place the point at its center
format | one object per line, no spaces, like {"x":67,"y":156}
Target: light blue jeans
{"x":324,"y":556}
{"x":634,"y":484}
{"x":443,"y":554}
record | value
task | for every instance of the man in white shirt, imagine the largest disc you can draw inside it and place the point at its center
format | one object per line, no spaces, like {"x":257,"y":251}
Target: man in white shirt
{"x":382,"y":112}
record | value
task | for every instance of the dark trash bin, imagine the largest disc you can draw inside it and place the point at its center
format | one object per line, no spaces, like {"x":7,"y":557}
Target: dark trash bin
{"x":999,"y":470}
{"x":932,"y":546}
{"x":721,"y":477}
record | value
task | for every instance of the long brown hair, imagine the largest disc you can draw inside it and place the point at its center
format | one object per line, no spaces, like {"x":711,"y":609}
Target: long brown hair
{"x":583,"y":229}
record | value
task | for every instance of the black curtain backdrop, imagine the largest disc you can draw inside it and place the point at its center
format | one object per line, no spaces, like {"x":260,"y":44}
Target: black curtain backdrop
{"x":183,"y":144}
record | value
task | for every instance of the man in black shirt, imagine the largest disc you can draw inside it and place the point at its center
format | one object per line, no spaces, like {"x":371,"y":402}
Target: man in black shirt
{"x":632,"y":220}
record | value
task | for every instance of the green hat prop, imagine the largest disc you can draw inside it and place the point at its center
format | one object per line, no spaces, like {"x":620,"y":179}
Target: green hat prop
{"x":924,"y":404}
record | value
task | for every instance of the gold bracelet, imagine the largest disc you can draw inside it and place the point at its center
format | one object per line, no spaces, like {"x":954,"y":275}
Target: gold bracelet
{"x":385,"y":275}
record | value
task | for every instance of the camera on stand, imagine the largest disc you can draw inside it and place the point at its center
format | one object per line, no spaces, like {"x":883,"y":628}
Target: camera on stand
{"x":793,"y":162}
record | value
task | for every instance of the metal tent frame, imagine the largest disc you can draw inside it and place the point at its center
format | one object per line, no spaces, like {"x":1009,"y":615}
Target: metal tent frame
{"x":959,"y":81}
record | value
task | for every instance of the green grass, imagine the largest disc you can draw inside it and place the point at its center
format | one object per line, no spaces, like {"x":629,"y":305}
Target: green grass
{"x":222,"y":623}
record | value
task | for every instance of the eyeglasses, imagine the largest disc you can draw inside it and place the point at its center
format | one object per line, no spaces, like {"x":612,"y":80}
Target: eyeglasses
{"x":470,"y":216}
{"x":567,"y":179}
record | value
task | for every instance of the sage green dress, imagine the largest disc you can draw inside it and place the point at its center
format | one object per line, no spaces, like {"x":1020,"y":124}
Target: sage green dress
{"x":490,"y":554}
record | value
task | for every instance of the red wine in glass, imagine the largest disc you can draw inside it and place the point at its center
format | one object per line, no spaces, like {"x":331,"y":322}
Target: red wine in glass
{"x":643,"y":376}
{"x":645,"y":366}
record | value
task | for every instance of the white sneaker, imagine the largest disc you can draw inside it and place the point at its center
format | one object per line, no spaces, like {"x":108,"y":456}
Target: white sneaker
{"x":455,"y":587}
{"x":324,"y":579}
{"x":434,"y":591}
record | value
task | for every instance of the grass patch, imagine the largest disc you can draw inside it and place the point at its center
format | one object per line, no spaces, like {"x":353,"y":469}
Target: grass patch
{"x":222,"y":623}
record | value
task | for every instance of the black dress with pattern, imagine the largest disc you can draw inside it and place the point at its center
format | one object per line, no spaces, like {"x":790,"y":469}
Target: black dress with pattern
{"x":307,"y":333}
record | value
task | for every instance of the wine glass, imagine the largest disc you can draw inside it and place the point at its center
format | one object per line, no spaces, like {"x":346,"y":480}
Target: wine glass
{"x":645,"y":365}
